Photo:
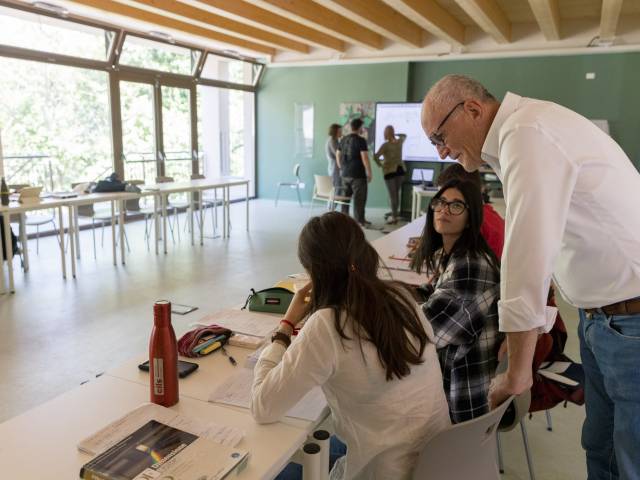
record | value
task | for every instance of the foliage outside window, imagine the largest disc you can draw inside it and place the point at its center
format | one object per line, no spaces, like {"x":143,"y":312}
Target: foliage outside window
{"x":144,"y":53}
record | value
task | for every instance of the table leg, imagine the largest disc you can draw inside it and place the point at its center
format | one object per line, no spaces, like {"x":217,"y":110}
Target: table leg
{"x":23,"y":241}
{"x":77,"y":230}
{"x":164,"y":199}
{"x":121,"y":225}
{"x":193,"y":241}
{"x":113,"y":232}
{"x":63,"y":255}
{"x":9,"y":250}
{"x":225,"y":212}
{"x":72,"y":241}
{"x":156,"y":227}
{"x":201,"y":213}
{"x":247,"y":206}
{"x":413,"y":206}
{"x":215,"y":212}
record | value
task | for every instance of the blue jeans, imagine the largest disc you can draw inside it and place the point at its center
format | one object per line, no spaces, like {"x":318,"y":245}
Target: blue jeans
{"x":293,"y":471}
{"x":610,"y":351}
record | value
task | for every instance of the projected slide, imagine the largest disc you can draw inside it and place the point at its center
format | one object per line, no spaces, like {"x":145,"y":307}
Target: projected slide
{"x":405,"y":118}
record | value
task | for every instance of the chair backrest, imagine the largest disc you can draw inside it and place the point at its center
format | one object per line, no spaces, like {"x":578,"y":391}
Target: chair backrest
{"x":465,"y":450}
{"x":324,"y":185}
{"x":518,"y":408}
{"x":29,"y":194}
{"x":133,"y":204}
{"x":18,"y":186}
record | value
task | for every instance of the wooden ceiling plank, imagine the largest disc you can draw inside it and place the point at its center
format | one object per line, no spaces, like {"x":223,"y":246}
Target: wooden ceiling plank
{"x":218,"y":21}
{"x":548,"y":17}
{"x":246,"y":11}
{"x":121,"y":9}
{"x":489,"y":17}
{"x":330,"y":20}
{"x":437,"y":20}
{"x":609,"y":17}
{"x":392,"y":24}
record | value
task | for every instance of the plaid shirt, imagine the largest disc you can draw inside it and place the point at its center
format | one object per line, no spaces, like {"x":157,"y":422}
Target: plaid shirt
{"x":463,"y":311}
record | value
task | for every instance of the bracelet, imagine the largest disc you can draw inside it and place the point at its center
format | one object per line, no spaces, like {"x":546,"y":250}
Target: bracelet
{"x":282,"y":337}
{"x":287,"y":322}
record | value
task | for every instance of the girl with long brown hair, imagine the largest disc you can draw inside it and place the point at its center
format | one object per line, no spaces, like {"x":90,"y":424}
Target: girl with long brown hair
{"x":368,"y":346}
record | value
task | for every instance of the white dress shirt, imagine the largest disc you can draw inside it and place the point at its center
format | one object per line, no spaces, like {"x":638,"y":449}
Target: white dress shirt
{"x":572,"y":198}
{"x":384,"y":423}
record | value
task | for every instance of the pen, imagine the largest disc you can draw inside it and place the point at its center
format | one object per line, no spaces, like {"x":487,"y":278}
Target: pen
{"x":231,"y":359}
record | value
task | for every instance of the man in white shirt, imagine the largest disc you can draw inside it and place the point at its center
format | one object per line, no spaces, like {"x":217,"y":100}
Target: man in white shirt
{"x":572,"y":198}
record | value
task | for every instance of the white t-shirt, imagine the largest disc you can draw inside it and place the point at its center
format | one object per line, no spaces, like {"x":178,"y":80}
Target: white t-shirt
{"x":385,"y":424}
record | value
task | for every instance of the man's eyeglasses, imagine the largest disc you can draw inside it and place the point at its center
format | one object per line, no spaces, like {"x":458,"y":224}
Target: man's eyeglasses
{"x":436,"y":138}
{"x":455,"y":207}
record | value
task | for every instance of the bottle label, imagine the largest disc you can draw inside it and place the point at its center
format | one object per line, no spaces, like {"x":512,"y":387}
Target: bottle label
{"x":158,"y":376}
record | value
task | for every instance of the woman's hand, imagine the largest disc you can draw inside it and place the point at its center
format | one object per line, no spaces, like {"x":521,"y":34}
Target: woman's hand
{"x":299,"y":306}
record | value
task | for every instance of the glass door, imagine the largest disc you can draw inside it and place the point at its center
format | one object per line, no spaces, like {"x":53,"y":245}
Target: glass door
{"x":176,"y":132}
{"x":138,"y":131}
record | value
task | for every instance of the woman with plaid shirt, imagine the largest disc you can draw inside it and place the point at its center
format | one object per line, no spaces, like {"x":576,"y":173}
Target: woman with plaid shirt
{"x":462,"y":297}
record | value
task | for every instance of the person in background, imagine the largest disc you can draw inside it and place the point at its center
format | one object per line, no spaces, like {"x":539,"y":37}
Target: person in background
{"x":492,"y":228}
{"x":367,"y":344}
{"x":330,"y":148}
{"x":572,"y":197}
{"x":462,"y":296}
{"x":393,"y":168}
{"x":352,"y":158}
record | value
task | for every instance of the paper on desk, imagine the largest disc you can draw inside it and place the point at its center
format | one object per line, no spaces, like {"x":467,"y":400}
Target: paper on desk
{"x":129,"y":423}
{"x":243,"y":321}
{"x":236,"y":391}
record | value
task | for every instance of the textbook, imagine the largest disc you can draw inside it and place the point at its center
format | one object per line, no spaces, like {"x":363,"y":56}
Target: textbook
{"x":156,"y":451}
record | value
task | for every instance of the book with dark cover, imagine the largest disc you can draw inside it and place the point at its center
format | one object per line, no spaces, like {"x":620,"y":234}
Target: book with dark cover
{"x":157,"y":450}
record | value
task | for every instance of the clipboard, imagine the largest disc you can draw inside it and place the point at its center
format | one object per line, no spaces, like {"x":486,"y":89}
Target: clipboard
{"x":180,"y":309}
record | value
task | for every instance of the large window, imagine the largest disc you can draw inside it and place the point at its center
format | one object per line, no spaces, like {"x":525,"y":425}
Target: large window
{"x":138,"y":131}
{"x":231,"y":70}
{"x":176,"y":133}
{"x":55,"y":121}
{"x":39,"y":32}
{"x":152,"y":55}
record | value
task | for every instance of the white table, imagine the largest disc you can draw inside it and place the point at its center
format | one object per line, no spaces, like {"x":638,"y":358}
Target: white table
{"x":395,"y":243}
{"x":41,"y":443}
{"x":163,"y":190}
{"x":418,"y":193}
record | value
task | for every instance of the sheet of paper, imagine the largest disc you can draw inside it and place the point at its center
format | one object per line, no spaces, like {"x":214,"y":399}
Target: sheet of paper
{"x":129,"y":423}
{"x":555,"y":367}
{"x":244,"y":321}
{"x":236,"y":391}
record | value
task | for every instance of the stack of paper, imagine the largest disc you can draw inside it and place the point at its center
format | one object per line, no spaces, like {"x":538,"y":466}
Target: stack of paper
{"x":244,"y":321}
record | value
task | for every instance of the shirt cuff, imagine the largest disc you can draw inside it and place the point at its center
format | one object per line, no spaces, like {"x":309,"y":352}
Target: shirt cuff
{"x":516,"y":316}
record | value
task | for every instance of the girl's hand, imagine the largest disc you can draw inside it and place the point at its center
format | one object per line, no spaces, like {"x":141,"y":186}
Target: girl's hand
{"x":299,"y":306}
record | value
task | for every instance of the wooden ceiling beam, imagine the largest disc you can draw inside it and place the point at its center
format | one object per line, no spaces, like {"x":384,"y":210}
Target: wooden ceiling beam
{"x":548,"y":17}
{"x":609,"y":17}
{"x":435,"y":19}
{"x":246,"y":11}
{"x":225,"y":23}
{"x":156,"y":19}
{"x":489,"y":17}
{"x":378,"y":15}
{"x":325,"y":18}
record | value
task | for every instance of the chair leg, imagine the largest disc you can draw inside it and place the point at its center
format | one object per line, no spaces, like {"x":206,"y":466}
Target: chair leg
{"x":549,"y":425}
{"x":37,"y":239}
{"x":93,"y":235}
{"x":278,"y":194}
{"x":298,"y":193}
{"x":527,"y":451}
{"x":499,"y":451}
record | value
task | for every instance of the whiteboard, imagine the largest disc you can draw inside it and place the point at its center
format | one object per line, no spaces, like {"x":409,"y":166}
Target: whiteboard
{"x":405,"y":118}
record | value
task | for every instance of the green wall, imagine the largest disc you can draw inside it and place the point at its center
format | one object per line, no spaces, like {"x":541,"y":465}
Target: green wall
{"x":613,"y":95}
{"x":326,"y":87}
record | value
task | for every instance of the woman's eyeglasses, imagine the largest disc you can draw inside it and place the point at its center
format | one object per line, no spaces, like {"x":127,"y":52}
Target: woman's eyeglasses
{"x":455,"y":207}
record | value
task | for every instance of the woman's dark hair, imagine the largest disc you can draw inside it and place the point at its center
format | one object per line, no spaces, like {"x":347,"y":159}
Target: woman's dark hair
{"x":333,"y":130}
{"x":355,"y":125}
{"x":344,"y":270}
{"x":455,"y":171}
{"x":470,"y":241}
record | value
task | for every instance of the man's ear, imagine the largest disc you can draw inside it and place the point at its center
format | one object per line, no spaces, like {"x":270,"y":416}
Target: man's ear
{"x":474,"y":108}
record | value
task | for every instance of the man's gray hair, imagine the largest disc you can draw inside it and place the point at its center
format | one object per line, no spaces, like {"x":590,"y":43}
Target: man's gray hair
{"x":456,"y":88}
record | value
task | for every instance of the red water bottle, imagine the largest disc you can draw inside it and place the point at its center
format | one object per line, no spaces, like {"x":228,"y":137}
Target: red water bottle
{"x":163,"y":357}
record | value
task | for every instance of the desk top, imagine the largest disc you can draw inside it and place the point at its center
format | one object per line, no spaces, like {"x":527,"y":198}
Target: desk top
{"x":42,"y":443}
{"x":193,"y":185}
{"x":395,"y":243}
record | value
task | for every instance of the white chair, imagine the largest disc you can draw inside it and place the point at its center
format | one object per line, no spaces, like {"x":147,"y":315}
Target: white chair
{"x":209,"y":200}
{"x":174,"y":205}
{"x":463,"y":451}
{"x":297,"y":185}
{"x":324,"y":191}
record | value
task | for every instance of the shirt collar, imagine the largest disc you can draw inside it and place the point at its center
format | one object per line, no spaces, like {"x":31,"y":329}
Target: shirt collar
{"x":490,"y":149}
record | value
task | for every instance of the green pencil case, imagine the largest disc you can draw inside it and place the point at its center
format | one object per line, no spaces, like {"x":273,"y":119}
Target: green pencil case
{"x":269,"y":300}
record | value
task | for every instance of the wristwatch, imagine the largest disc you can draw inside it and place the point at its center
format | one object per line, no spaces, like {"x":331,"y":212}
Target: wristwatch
{"x":283,"y":337}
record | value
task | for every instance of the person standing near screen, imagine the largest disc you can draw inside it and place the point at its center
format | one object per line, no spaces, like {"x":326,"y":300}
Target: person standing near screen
{"x":352,"y":158}
{"x":393,"y":168}
{"x":330,"y":148}
{"x":572,"y":198}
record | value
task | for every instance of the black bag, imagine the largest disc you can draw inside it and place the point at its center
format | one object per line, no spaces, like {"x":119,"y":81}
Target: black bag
{"x":111,"y":184}
{"x":14,"y":240}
